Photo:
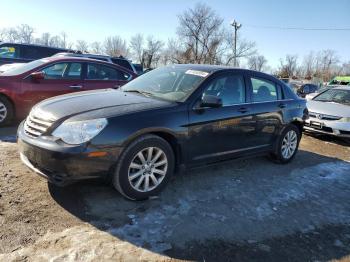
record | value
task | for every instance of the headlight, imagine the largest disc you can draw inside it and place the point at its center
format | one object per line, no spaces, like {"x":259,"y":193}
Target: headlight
{"x":345,"y":119}
{"x":78,"y":132}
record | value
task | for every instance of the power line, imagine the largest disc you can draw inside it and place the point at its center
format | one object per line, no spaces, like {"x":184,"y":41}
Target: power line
{"x":299,"y":28}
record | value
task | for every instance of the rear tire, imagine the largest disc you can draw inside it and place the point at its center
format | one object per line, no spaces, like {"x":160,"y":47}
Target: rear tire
{"x":287,"y":145}
{"x":6,"y":111}
{"x":144,"y":168}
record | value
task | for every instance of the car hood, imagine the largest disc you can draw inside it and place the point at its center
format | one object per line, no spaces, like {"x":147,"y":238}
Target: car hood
{"x":328,"y":108}
{"x":100,"y":103}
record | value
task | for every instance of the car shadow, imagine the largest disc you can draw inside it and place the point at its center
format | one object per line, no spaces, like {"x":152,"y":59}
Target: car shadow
{"x":239,"y":204}
{"x":8,"y":133}
{"x":329,"y":138}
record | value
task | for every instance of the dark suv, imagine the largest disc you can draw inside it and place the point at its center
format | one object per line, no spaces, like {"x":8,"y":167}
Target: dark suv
{"x":183,"y":115}
{"x":24,"y":53}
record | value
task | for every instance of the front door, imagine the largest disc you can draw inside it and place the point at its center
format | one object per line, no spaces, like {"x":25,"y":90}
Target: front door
{"x":59,"y":78}
{"x":224,"y":131}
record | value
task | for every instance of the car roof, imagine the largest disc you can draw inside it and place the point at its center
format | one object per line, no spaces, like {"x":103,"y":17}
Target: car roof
{"x":342,"y":87}
{"x":34,"y":45}
{"x":82,"y":59}
{"x":81,"y":55}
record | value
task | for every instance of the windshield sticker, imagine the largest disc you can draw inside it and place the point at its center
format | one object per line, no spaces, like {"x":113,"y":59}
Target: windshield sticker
{"x":197,"y":73}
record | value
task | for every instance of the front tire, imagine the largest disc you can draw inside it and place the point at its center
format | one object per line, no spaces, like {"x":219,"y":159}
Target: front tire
{"x":144,"y":168}
{"x":287,"y":145}
{"x":6,"y":111}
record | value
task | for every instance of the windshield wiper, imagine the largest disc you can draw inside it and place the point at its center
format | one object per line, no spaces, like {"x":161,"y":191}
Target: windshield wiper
{"x":145,"y":93}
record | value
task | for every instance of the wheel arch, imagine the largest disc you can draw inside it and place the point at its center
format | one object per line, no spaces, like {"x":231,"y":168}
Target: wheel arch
{"x":11,"y":101}
{"x":165,"y":134}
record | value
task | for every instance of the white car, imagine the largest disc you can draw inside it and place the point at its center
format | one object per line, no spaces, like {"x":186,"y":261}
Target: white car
{"x":329,"y":112}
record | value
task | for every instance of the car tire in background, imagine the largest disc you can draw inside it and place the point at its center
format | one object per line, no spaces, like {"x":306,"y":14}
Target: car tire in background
{"x":287,"y":145}
{"x":144,"y":167}
{"x":6,"y":111}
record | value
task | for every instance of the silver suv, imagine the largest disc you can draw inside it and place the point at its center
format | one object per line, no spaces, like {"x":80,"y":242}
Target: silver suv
{"x":121,"y":61}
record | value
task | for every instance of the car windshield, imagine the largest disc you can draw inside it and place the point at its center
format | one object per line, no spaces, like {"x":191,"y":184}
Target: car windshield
{"x":340,"y":96}
{"x":171,"y":83}
{"x":24,"y":68}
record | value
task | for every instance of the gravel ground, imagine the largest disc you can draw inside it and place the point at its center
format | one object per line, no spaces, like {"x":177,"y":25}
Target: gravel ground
{"x":243,"y":210}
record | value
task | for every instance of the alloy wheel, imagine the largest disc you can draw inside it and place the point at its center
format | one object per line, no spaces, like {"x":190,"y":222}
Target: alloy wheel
{"x":3,"y":112}
{"x":147,"y":169}
{"x":289,"y":144}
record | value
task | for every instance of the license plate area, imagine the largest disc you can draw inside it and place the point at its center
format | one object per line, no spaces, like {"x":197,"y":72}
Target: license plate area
{"x":316,"y":124}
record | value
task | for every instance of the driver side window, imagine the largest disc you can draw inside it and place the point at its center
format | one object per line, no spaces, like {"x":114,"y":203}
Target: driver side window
{"x":230,"y":88}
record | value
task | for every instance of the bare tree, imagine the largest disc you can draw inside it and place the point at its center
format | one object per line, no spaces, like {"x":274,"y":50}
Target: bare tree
{"x":257,"y":62}
{"x":326,"y":62}
{"x":12,"y":35}
{"x":96,"y":47}
{"x":3,"y":35}
{"x":82,"y":46}
{"x":200,"y":31}
{"x":44,"y":39}
{"x":64,"y":41}
{"x":25,"y":33}
{"x":309,"y":66}
{"x":244,"y":48}
{"x":116,"y":46}
{"x":151,"y":55}
{"x":137,"y":47}
{"x":288,"y":66}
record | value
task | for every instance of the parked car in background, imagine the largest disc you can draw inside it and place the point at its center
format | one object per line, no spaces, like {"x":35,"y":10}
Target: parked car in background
{"x":26,"y":85}
{"x":24,"y":53}
{"x":306,"y":89}
{"x":138,"y":68}
{"x":340,"y":80}
{"x":329,"y":112}
{"x":121,"y":61}
{"x":182,"y":115}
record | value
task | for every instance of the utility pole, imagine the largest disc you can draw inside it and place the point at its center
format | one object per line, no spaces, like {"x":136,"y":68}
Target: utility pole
{"x":236,"y":26}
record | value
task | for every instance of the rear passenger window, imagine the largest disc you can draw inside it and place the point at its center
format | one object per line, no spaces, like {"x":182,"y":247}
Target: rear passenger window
{"x":74,"y":71}
{"x":101,"y":72}
{"x":263,"y":90}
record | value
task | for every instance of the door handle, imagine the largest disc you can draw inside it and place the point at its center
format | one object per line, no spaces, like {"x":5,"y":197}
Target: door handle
{"x":76,"y":87}
{"x":282,"y":105}
{"x":243,"y":110}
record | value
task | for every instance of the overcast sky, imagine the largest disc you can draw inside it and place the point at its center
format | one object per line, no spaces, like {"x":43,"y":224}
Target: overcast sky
{"x":94,"y":20}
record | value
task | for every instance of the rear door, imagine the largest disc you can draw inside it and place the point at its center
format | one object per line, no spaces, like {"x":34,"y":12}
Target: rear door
{"x":101,"y":76}
{"x":267,"y":108}
{"x":60,"y":78}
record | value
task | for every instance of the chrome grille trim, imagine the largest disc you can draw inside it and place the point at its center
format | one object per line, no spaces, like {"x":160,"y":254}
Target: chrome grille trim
{"x":35,"y":126}
{"x":324,"y":116}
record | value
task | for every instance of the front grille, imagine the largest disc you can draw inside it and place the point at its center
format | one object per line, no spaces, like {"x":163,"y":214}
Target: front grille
{"x":323,"y":116}
{"x":35,"y":126}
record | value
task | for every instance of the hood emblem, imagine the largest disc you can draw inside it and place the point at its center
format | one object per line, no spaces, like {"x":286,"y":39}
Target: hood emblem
{"x":319,"y":116}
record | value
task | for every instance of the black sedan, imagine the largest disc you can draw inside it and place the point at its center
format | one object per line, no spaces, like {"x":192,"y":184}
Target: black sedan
{"x":172,"y":117}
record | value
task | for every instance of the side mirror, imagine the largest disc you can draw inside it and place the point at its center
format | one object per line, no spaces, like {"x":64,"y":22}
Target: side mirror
{"x":211,"y":101}
{"x":37,"y":76}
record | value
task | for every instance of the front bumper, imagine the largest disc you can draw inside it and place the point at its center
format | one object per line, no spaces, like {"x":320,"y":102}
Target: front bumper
{"x":63,"y":164}
{"x":329,"y":127}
